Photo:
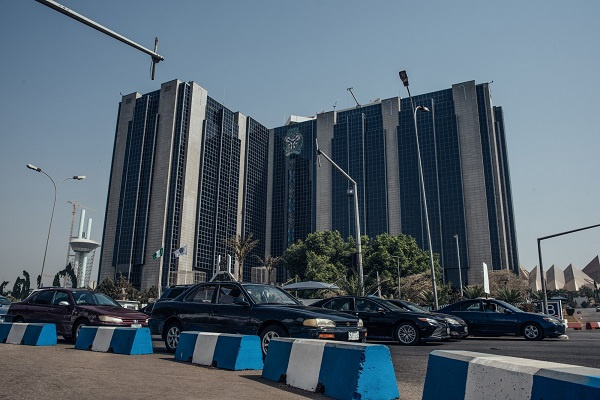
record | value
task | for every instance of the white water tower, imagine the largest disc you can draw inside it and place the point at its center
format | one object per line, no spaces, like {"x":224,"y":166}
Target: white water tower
{"x":84,"y":249}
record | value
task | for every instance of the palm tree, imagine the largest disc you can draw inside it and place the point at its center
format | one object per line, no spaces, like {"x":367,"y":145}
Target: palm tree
{"x":511,"y":296}
{"x":241,"y":247}
{"x":269,"y":263}
{"x":473,"y":291}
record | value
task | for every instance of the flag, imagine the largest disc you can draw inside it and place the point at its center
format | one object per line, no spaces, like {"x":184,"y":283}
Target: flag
{"x":182,"y":251}
{"x":158,"y":254}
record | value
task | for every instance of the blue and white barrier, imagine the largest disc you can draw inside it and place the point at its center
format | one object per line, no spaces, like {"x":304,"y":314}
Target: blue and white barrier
{"x":221,"y":350}
{"x":338,"y":369}
{"x":455,"y":375}
{"x":29,"y":334}
{"x":115,"y":339}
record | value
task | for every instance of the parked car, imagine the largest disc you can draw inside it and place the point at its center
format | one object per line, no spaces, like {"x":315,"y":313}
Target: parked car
{"x":598,"y":308}
{"x":4,"y":305}
{"x":490,"y":317}
{"x":251,"y":309}
{"x":387,"y":321}
{"x":70,"y":309}
{"x":168,"y":294}
{"x":458,"y":327}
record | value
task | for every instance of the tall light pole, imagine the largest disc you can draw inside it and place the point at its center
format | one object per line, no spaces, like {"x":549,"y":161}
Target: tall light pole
{"x":356,"y":216}
{"x":404,"y":79}
{"x":77,"y":178}
{"x":459,"y":271}
{"x":398,"y":269}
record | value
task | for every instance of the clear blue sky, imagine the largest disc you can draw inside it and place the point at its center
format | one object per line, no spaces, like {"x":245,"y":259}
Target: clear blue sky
{"x":61,"y":83}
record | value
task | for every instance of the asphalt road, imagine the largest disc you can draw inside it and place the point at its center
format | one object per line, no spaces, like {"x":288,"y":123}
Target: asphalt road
{"x":60,"y":372}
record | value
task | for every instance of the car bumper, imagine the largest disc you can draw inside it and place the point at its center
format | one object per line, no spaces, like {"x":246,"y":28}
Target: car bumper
{"x":435,"y":333}
{"x":156,"y":326}
{"x":554,"y":330}
{"x":351,"y":334}
{"x":459,"y":331}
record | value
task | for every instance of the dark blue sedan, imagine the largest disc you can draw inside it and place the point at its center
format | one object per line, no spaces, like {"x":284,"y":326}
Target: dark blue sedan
{"x":490,"y":317}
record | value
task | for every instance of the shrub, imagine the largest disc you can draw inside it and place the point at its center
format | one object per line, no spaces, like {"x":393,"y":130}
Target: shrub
{"x":527,"y":307}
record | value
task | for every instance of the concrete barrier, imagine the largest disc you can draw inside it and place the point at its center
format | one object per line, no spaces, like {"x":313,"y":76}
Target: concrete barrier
{"x":220,"y":350}
{"x":337,"y":369}
{"x":592,"y":325}
{"x":113,"y":339}
{"x":453,"y":375}
{"x":29,"y":334}
{"x":575,"y":325}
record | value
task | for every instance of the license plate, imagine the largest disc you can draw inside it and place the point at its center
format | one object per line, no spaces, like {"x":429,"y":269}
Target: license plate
{"x":136,"y":325}
{"x":353,"y":335}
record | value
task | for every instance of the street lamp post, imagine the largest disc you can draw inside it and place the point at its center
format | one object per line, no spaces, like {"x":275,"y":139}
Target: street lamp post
{"x":398,"y":269}
{"x":459,"y":270}
{"x":77,"y":178}
{"x":356,"y":216}
{"x":404,"y":78}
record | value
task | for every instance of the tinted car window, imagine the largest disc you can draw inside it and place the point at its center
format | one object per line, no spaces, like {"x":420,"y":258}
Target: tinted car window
{"x":469,"y":306}
{"x":227,"y":293}
{"x":266,"y":294}
{"x":339,"y":305}
{"x":44,"y":297}
{"x":366,"y":305}
{"x":204,"y":294}
{"x":85,"y":298}
{"x":60,"y":296}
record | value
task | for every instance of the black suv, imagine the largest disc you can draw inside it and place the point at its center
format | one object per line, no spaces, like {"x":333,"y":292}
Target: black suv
{"x":169,"y":294}
{"x":387,"y":321}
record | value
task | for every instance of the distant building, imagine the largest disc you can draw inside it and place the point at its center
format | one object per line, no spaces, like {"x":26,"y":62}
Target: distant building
{"x":465,"y":165}
{"x":571,"y":278}
{"x":187,"y":171}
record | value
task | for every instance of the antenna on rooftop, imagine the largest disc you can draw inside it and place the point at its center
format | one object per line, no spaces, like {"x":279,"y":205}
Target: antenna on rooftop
{"x":350,"y":90}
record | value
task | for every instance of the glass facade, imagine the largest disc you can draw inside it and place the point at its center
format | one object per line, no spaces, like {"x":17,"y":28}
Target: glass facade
{"x":218,"y":187}
{"x":132,"y":220}
{"x":440,"y":157}
{"x":358,"y":147}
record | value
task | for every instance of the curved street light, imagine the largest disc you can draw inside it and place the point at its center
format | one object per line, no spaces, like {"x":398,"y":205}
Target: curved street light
{"x":77,"y":178}
{"x":404,"y":79}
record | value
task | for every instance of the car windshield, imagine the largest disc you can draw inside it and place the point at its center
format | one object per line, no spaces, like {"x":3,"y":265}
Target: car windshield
{"x":509,"y":306}
{"x":85,"y":298}
{"x":414,"y":308}
{"x":266,"y":294}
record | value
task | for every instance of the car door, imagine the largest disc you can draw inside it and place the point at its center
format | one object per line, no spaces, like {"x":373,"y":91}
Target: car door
{"x":37,"y":307}
{"x":472,"y":312}
{"x":194,"y":310}
{"x":227,"y":317}
{"x":58,"y":314}
{"x":379,"y":325}
{"x":498,"y":321}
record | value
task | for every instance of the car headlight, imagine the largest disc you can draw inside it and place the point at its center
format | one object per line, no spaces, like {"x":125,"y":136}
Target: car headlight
{"x":552,"y":320}
{"x":429,"y":321}
{"x":360,"y":323}
{"x":112,"y":320}
{"x":319,"y":323}
{"x":452,"y":321}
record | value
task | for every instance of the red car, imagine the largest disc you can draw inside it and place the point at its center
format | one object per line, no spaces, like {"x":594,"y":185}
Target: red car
{"x":70,"y":309}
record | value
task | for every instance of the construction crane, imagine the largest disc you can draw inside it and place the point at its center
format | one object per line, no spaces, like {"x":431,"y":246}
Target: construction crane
{"x":75,"y":205}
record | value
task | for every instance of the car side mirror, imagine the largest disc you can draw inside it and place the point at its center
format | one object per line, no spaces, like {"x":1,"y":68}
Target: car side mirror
{"x":240,"y":301}
{"x":381,"y":310}
{"x":507,"y":311}
{"x":64,"y":303}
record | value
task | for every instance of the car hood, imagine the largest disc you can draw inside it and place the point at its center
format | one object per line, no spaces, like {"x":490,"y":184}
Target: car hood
{"x":454,"y":317}
{"x":115,"y":311}
{"x":309,"y":312}
{"x":400,"y":314}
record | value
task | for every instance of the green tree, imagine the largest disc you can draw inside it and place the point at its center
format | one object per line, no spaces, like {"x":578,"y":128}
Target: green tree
{"x":125,"y":289}
{"x":21,"y":287}
{"x":150,"y":294}
{"x":241,"y":247}
{"x":512,"y":296}
{"x":506,"y":279}
{"x":56,"y":281}
{"x":322,"y":256}
{"x":2,"y":287}
{"x":108,"y":287}
{"x":473,"y":291}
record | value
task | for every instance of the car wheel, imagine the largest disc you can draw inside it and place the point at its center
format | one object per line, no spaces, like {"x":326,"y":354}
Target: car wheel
{"x":270,"y":332}
{"x":172,"y":336}
{"x":77,"y":328}
{"x":407,"y":334}
{"x":532,"y":331}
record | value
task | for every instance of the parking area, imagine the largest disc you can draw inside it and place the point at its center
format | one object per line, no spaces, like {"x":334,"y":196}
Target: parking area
{"x":62,"y":372}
